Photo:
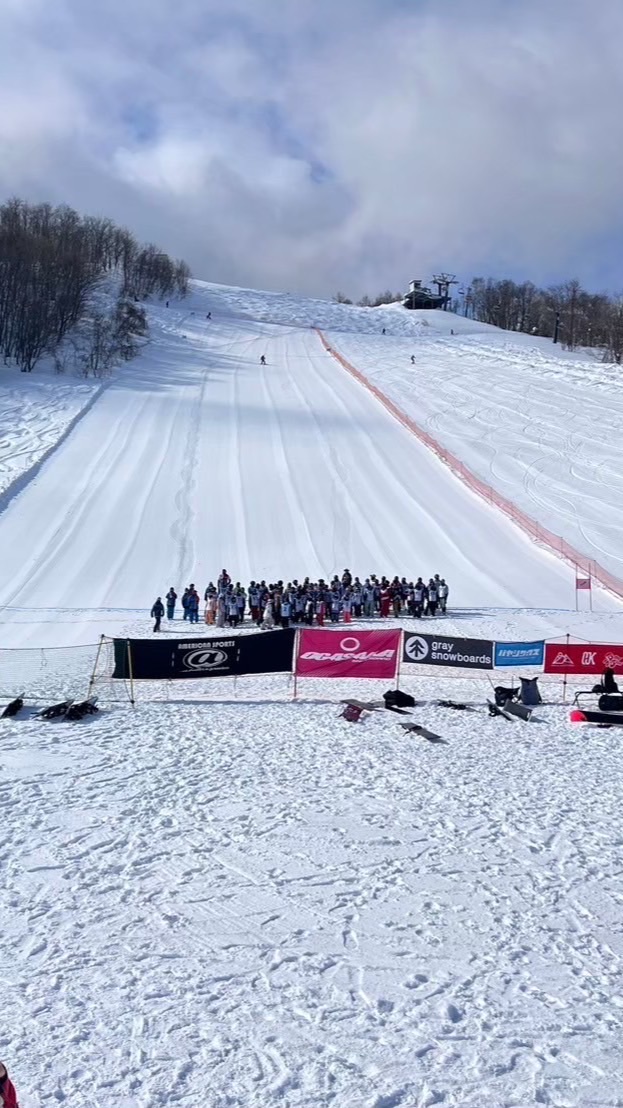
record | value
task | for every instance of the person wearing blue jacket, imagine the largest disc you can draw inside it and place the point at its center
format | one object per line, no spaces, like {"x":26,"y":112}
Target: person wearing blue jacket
{"x":192,"y":606}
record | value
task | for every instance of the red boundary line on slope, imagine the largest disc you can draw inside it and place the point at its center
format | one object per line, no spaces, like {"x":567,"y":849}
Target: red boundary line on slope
{"x":555,"y":543}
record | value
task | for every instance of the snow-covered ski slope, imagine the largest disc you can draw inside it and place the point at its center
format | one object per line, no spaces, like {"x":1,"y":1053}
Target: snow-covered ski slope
{"x":197,"y":457}
{"x":543,"y":426}
{"x":253,"y":903}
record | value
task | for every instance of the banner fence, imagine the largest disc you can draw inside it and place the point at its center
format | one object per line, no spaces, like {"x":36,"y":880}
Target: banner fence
{"x":279,"y":661}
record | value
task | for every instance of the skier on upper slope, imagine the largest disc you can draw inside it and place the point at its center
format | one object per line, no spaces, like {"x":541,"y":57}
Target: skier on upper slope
{"x":263,"y":360}
{"x":8,"y":1096}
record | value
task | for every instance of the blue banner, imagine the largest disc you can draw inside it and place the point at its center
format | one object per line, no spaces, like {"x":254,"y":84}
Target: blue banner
{"x":519,"y":653}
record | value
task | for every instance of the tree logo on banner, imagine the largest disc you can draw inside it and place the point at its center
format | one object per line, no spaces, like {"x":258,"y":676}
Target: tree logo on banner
{"x":416,"y":648}
{"x":204,"y":659}
{"x":350,"y":645}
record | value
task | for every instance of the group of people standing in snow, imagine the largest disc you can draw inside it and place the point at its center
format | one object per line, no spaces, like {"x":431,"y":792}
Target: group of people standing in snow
{"x":278,"y":604}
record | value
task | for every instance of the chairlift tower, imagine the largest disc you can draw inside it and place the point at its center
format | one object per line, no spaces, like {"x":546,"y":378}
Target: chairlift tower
{"x":444,"y":282}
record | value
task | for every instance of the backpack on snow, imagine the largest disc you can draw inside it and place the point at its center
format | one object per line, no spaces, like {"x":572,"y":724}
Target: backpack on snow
{"x":396,"y":698}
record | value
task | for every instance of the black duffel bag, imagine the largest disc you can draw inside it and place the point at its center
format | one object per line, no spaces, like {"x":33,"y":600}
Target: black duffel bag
{"x":396,"y":698}
{"x":611,"y":703}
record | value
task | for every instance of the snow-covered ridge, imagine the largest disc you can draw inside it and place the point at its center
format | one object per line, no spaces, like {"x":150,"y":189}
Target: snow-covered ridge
{"x":36,"y":411}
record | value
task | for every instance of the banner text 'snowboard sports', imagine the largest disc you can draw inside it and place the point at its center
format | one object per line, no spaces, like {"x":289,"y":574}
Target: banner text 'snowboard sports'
{"x":369,"y":654}
{"x":186,"y":659}
{"x":519,"y":654}
{"x":433,"y":650}
{"x":579,"y":658}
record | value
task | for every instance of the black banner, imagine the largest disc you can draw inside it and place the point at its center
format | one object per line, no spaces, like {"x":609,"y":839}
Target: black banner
{"x":185,"y":659}
{"x":432,"y":650}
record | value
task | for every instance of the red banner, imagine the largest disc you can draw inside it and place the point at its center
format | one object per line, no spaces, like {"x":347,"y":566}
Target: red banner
{"x":581,"y":658}
{"x":348,"y":654}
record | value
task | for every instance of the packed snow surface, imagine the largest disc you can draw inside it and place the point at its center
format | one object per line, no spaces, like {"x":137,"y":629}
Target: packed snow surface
{"x":251,"y":904}
{"x":196,"y":457}
{"x":35,"y":413}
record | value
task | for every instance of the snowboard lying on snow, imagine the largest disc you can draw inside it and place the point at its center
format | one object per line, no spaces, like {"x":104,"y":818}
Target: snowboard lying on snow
{"x":70,"y":709}
{"x":374,"y":706}
{"x":511,"y":711}
{"x":602,"y":719}
{"x":14,"y":707}
{"x":423,"y":732}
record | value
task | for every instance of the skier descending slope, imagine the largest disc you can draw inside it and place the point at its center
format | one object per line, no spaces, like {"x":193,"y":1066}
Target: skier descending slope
{"x":8,"y":1096}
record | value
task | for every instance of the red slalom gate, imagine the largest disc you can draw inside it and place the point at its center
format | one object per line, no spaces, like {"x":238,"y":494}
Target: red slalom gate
{"x":370,"y":654}
{"x":529,"y":526}
{"x":579,"y":658}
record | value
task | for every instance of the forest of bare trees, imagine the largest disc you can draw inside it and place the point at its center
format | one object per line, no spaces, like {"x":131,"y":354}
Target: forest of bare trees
{"x":70,"y":288}
{"x":576,"y":318}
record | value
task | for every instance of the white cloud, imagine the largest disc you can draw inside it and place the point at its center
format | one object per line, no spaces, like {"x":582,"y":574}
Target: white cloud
{"x":318,"y":145}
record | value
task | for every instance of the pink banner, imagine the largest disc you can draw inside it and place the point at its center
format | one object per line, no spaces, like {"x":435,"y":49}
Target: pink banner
{"x":348,"y":654}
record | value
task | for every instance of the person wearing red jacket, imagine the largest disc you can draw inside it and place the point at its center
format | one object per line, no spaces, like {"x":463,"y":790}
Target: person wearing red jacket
{"x":8,"y":1096}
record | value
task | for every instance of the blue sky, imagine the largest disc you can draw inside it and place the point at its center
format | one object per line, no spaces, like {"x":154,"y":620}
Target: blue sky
{"x":313,"y":146}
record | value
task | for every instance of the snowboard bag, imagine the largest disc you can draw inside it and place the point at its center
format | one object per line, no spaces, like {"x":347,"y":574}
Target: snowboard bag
{"x":530,"y":695}
{"x":502,"y":695}
{"x":396,"y":698}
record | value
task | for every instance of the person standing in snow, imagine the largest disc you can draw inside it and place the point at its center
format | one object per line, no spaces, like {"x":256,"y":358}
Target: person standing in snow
{"x":170,"y":598}
{"x":321,"y":609}
{"x":157,"y":613}
{"x":241,"y":600}
{"x":413,"y":359}
{"x":232,"y":610}
{"x":193,"y":605}
{"x":442,"y":592}
{"x":431,"y":608}
{"x":336,"y":606}
{"x":357,"y":599}
{"x":254,"y":595}
{"x":286,"y":610}
{"x":185,"y":596}
{"x":347,"y":606}
{"x":8,"y":1096}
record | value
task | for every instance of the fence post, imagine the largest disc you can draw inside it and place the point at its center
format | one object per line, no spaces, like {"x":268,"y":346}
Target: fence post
{"x":97,"y":658}
{"x":564,"y":680}
{"x":131,"y":672}
{"x":294,"y":662}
